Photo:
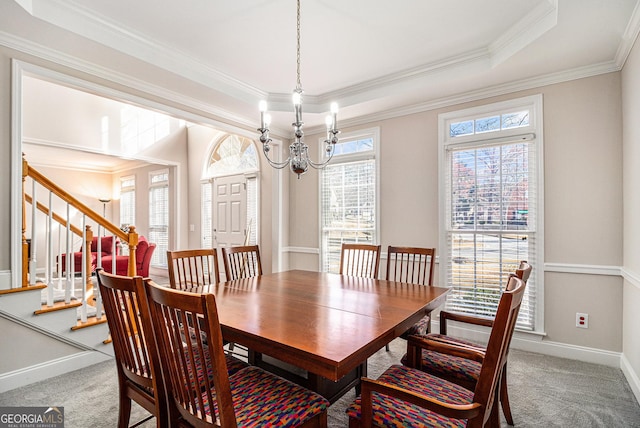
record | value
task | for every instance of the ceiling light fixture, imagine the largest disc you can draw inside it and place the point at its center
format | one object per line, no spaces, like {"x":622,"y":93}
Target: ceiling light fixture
{"x":298,"y":159}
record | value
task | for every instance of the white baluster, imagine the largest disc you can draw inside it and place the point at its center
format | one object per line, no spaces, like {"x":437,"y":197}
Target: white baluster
{"x":49,"y":241}
{"x":85,"y":253}
{"x":69,"y":251}
{"x":34,"y":229}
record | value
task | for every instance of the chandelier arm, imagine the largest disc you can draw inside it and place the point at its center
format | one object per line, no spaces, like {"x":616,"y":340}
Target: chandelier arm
{"x":320,"y":165}
{"x":274,"y":164}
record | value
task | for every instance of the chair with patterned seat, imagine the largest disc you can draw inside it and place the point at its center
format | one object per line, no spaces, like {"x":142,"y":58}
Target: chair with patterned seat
{"x":465,"y":372}
{"x":408,"y":396}
{"x":192,"y":268}
{"x":249,"y":397}
{"x":137,"y":365}
{"x":412,"y":265}
{"x":362,"y":260}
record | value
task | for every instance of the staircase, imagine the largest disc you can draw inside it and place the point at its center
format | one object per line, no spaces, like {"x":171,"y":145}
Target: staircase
{"x":65,"y":306}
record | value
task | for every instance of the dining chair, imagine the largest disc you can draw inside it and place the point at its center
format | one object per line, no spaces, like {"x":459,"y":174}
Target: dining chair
{"x":463,"y":371}
{"x":250,"y":396}
{"x":137,"y":365}
{"x":362,"y":260}
{"x":241,"y":262}
{"x":407,"y":396}
{"x":190,"y":268}
{"x":412,"y":265}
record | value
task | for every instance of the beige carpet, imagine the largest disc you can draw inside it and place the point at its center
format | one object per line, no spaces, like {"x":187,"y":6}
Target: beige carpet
{"x":545,"y":392}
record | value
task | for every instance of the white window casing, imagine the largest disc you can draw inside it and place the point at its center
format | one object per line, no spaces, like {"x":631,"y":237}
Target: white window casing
{"x":491,"y":205}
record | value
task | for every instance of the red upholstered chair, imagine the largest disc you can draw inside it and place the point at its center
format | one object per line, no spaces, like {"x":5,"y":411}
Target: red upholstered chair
{"x":144,"y":251}
{"x":106,"y":250}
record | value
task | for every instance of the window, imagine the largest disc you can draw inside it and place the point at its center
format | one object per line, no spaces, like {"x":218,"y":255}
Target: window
{"x":349,"y":196}
{"x":491,"y":195}
{"x":159,"y":216}
{"x":206,"y":196}
{"x":141,"y":128}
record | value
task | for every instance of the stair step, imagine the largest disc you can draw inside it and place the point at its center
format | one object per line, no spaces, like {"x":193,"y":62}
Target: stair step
{"x":19,"y":289}
{"x":57,"y":306}
{"x":91,"y":321}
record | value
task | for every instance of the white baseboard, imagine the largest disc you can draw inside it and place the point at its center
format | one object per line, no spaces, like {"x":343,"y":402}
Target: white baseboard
{"x":5,"y":279}
{"x":631,"y":375}
{"x":29,"y":375}
{"x":533,"y":342}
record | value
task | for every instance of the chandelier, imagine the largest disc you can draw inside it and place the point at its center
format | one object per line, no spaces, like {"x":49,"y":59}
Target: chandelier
{"x":298,"y":159}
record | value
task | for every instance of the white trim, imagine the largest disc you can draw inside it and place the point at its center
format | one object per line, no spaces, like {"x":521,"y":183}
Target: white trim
{"x":16,"y":174}
{"x":304,"y":250}
{"x":534,"y":342}
{"x":583,"y":269}
{"x":5,"y":279}
{"x":60,"y":58}
{"x":631,"y":277}
{"x":49,"y":369}
{"x":629,"y":37}
{"x":631,"y":376}
{"x":534,"y":130}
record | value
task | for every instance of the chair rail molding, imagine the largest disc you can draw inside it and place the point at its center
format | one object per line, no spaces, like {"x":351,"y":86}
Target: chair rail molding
{"x":583,"y":269}
{"x":632,"y":277}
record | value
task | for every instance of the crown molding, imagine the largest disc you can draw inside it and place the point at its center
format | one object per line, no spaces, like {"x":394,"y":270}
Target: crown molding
{"x":540,"y":20}
{"x":229,"y":122}
{"x":481,"y":94}
{"x":74,"y":17}
{"x":629,"y":37}
{"x":208,"y":113}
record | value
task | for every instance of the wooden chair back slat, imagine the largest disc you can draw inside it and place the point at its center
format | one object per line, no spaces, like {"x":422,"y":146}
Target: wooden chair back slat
{"x":242,"y":262}
{"x":412,"y":265}
{"x":138,"y":366}
{"x":361,"y":260}
{"x":182,"y":323}
{"x":486,"y":391}
{"x":190,"y":268}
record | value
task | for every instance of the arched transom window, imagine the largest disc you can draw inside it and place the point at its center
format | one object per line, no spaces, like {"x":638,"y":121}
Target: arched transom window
{"x":232,"y":155}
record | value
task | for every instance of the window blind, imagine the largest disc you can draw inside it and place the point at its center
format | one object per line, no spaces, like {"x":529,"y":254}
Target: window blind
{"x":159,"y":218}
{"x":348,"y":204}
{"x":491,"y":224}
{"x":252,"y":210}
{"x":206,"y":225}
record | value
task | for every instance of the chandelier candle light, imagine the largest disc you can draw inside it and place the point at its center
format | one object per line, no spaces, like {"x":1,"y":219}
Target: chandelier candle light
{"x":298,"y":159}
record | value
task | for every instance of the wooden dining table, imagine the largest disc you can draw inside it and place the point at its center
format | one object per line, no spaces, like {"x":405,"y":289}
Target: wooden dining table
{"x":323,"y":324}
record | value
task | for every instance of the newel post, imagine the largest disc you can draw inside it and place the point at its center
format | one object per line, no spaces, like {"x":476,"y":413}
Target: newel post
{"x":133,"y":244}
{"x":25,"y":245}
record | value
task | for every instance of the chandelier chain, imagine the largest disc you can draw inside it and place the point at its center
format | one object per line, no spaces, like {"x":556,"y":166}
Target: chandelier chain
{"x":298,"y":159}
{"x":298,"y":85}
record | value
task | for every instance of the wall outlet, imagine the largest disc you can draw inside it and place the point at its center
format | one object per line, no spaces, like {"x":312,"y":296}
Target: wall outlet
{"x":582,"y":320}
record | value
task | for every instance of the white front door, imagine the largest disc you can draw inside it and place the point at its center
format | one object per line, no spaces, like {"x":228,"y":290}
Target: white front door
{"x":229,"y":211}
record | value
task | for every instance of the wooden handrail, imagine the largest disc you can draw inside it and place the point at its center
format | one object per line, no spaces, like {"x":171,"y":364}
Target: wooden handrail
{"x":130,"y":238}
{"x":67,"y":197}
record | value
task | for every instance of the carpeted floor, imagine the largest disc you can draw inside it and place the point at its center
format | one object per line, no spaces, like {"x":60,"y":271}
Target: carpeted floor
{"x":545,"y":392}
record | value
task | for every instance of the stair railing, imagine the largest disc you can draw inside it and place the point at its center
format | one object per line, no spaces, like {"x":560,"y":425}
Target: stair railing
{"x":29,"y":250}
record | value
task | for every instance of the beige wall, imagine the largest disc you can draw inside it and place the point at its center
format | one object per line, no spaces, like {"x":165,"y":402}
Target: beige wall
{"x":631,"y":180}
{"x":583,"y":200}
